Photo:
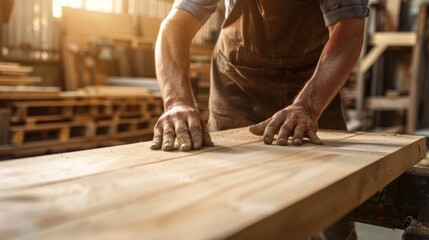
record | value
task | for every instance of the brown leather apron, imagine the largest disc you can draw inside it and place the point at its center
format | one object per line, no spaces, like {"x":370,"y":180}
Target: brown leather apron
{"x":266,"y":52}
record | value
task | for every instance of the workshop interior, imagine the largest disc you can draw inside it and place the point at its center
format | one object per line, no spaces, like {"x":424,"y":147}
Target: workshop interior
{"x":79,"y":90}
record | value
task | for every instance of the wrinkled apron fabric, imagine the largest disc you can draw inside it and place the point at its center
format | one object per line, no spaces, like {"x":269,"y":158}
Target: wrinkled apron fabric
{"x":266,"y":52}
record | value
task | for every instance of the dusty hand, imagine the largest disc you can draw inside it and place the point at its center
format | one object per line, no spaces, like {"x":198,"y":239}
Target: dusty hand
{"x":183,"y":123}
{"x":292,"y":121}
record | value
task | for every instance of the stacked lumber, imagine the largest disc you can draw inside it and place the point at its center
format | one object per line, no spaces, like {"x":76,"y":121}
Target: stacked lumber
{"x":46,"y":125}
{"x":13,"y":74}
{"x":28,"y":92}
{"x":115,"y":91}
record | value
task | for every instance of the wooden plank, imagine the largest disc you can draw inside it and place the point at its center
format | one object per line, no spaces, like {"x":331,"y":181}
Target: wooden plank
{"x":419,"y":66}
{"x":261,"y":191}
{"x":48,"y":126}
{"x":27,"y":92}
{"x":54,"y":146}
{"x":18,"y":80}
{"x":17,"y":138}
{"x":116,"y":91}
{"x":393,"y":10}
{"x":371,"y":57}
{"x":69,"y":42}
{"x":9,"y":64}
{"x":394,"y":38}
{"x":385,"y":103}
{"x":15,"y":69}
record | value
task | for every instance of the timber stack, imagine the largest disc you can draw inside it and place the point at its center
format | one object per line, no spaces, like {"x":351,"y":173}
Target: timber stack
{"x":13,"y":74}
{"x":92,"y":117}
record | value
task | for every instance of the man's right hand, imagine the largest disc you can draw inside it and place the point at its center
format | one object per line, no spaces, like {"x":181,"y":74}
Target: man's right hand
{"x":185,"y":124}
{"x":181,"y":119}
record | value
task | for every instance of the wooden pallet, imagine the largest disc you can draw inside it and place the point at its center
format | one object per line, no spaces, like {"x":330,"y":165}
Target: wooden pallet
{"x":54,"y":146}
{"x":31,"y":113}
{"x":88,"y":128}
{"x":52,"y":138}
{"x":61,"y":132}
{"x":75,"y":117}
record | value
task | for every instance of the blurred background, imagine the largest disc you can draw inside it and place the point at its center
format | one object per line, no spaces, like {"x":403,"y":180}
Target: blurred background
{"x":79,"y":74}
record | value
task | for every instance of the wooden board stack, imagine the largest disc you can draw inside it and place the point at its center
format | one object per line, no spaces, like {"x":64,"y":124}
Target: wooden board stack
{"x":78,"y":120}
{"x":239,"y":189}
{"x":12,"y":74}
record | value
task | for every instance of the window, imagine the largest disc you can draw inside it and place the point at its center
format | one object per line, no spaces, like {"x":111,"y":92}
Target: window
{"x":110,"y":6}
{"x":58,"y":4}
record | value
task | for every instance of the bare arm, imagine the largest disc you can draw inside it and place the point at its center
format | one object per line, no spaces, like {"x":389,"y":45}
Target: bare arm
{"x":335,"y":64}
{"x":172,"y":57}
{"x":181,"y":118}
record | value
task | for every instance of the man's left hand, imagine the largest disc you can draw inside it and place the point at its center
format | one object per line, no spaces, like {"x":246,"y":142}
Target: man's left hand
{"x":294,"y":121}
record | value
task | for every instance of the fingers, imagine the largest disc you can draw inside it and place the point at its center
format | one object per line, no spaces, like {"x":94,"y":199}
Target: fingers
{"x":267,"y":128}
{"x":314,"y":138}
{"x":298,"y":135}
{"x":191,"y":135}
{"x":157,"y":138}
{"x":182,"y":134}
{"x":207,"y":141}
{"x":168,"y":137}
{"x":294,"y":120}
{"x":284,"y":133}
{"x":271,"y":129}
{"x":184,"y":123}
{"x":196,"y":132}
{"x":199,"y":133}
{"x":259,"y":129}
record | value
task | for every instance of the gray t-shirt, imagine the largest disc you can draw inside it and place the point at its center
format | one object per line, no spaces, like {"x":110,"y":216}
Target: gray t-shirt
{"x":333,"y":10}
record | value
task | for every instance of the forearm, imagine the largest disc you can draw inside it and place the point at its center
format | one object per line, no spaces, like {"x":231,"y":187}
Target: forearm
{"x":172,"y":58}
{"x":335,"y":64}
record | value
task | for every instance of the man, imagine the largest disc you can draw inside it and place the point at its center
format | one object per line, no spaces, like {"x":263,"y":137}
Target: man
{"x":278,"y":64}
{"x":275,"y":61}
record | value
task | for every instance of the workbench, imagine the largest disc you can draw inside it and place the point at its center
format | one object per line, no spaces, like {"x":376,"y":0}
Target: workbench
{"x":239,"y":189}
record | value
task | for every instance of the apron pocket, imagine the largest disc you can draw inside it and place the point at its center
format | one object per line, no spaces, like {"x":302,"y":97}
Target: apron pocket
{"x":242,"y":75}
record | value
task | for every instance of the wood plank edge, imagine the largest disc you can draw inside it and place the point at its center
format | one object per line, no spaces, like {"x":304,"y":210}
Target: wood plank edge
{"x":294,"y":218}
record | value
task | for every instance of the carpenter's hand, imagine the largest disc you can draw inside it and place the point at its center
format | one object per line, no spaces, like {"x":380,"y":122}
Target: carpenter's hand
{"x":294,"y":121}
{"x":185,"y":124}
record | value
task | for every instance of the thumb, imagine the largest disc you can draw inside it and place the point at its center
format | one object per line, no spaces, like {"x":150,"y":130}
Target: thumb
{"x":258,"y":129}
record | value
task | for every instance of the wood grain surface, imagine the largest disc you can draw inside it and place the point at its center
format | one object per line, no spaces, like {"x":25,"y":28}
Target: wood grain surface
{"x":239,"y":189}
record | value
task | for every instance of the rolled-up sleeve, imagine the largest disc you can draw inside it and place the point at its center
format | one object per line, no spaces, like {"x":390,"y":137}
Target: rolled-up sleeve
{"x":201,"y":9}
{"x":337,"y":10}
